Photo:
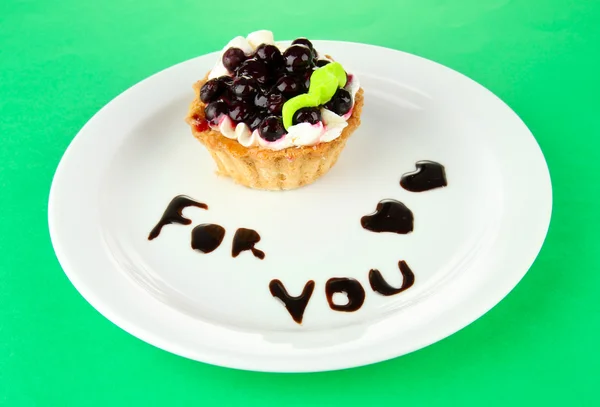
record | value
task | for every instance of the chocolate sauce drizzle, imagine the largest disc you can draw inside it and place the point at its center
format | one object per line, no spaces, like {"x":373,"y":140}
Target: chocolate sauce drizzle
{"x":207,"y":237}
{"x":379,"y":285}
{"x":352,"y":288}
{"x":429,"y":175}
{"x":245,"y":239}
{"x":173,"y":214}
{"x":390,"y":216}
{"x":294,"y":305}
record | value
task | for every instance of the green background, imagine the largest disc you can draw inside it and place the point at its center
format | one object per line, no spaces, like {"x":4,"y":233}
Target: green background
{"x":62,"y":60}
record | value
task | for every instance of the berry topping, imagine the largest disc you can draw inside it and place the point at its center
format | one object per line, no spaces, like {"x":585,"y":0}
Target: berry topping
{"x":275,"y":103}
{"x":211,"y":90}
{"x":240,"y":111}
{"x":305,"y":80}
{"x":255,"y":69}
{"x":214,"y":110}
{"x":233,"y":58}
{"x":271,"y":128}
{"x":272,"y":90}
{"x":270,"y":54}
{"x":340,"y":103}
{"x":303,"y":41}
{"x":288,"y":86}
{"x":310,"y":115}
{"x":297,"y":58}
{"x":226,"y":80}
{"x":306,"y":43}
{"x":244,"y":87}
{"x":227,"y":98}
{"x":261,"y":100}
{"x":254,"y":121}
{"x":200,"y":124}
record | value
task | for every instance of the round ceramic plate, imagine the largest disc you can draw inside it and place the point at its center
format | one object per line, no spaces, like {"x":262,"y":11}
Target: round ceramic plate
{"x":472,"y":241}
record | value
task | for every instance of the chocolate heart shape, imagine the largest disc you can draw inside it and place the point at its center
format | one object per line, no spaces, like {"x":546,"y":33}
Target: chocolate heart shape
{"x":429,"y":175}
{"x":390,"y":216}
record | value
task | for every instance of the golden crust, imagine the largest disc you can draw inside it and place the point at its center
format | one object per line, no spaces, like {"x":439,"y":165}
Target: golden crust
{"x":262,"y":168}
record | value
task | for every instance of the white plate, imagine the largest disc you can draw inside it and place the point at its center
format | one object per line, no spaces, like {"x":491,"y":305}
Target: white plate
{"x":473,"y":241}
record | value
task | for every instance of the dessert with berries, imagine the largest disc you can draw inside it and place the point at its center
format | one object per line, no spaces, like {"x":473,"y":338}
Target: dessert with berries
{"x":275,"y":117}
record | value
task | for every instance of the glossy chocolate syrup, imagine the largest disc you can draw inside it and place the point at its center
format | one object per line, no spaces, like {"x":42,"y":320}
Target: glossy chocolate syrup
{"x":173,"y":214}
{"x":245,"y":239}
{"x":390,"y":216}
{"x":294,"y":305}
{"x":379,"y":285}
{"x":207,"y":237}
{"x":352,"y":288}
{"x":429,"y":175}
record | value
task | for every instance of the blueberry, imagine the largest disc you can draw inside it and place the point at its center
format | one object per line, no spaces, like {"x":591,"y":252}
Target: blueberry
{"x":306,"y":43}
{"x":270,"y":54}
{"x":340,"y":103}
{"x":261,"y":100}
{"x":214,"y":110}
{"x":254,"y":121}
{"x":297,"y":58}
{"x":225,"y":80}
{"x":310,"y":115}
{"x":305,"y":81}
{"x":227,"y":98}
{"x":275,"y":103}
{"x":271,"y":128}
{"x":244,"y":87}
{"x":211,"y":90}
{"x":240,"y":111}
{"x":255,"y":69}
{"x":303,"y":41}
{"x":288,"y":86}
{"x":233,"y":58}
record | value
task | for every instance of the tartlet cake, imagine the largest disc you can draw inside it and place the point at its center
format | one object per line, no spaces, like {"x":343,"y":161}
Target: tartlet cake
{"x":275,"y":117}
